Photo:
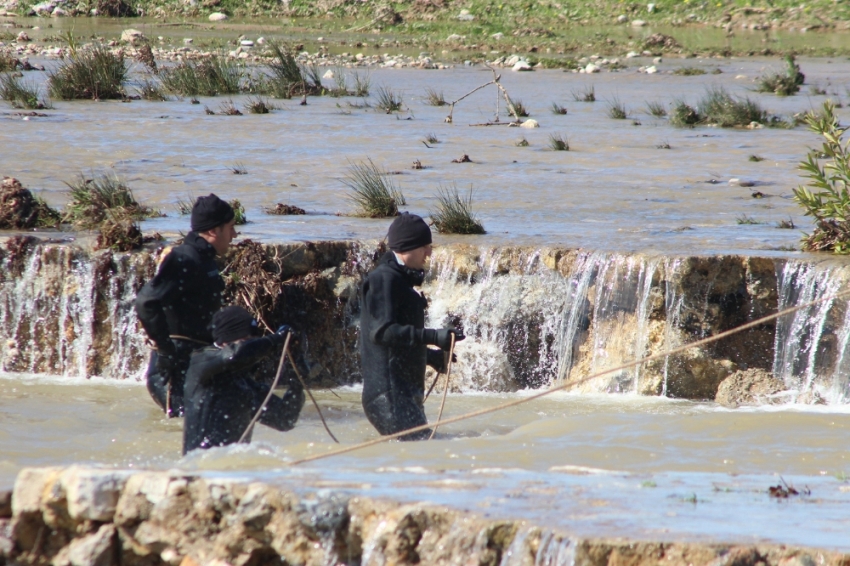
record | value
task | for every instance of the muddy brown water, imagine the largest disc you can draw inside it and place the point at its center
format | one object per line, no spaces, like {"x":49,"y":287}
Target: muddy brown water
{"x":621,"y":465}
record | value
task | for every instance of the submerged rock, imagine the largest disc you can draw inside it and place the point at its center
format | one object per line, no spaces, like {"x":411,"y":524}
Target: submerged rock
{"x":20,"y":209}
{"x":753,"y":386}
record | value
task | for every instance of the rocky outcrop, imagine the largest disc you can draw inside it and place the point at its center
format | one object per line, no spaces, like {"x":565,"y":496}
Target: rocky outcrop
{"x":749,"y":387}
{"x":78,"y":516}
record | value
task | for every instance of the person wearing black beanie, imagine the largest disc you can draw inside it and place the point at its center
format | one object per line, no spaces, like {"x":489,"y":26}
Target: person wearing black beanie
{"x":393,"y":339}
{"x":176,"y":307}
{"x":221,"y":395}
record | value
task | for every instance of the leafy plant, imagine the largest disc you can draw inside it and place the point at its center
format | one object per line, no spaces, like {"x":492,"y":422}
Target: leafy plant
{"x":516,"y":108}
{"x":826,"y":197}
{"x":259,"y":105}
{"x":239,"y":216}
{"x":432,"y":138}
{"x":373,"y":191}
{"x":151,"y":90}
{"x":522,"y":142}
{"x":454,"y":213}
{"x":783,"y":84}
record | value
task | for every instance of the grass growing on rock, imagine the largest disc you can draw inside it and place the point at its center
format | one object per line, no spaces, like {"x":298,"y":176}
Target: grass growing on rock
{"x":783,"y":84}
{"x":586,"y":95}
{"x":721,"y":108}
{"x":95,"y":73}
{"x":208,"y":77}
{"x":7,"y":62}
{"x":432,"y":138}
{"x":617,"y":110}
{"x":151,"y":90}
{"x":373,"y":191}
{"x":239,"y":216}
{"x":559,"y":142}
{"x":689,"y":71}
{"x":21,"y":209}
{"x":388,"y":100}
{"x":435,"y":97}
{"x":656,"y":109}
{"x":259,"y":105}
{"x":21,"y":94}
{"x":684,"y":116}
{"x":454,"y":213}
{"x":288,"y":78}
{"x":120,"y":233}
{"x":101,"y":197}
{"x":517,"y":108}
{"x":558,"y":109}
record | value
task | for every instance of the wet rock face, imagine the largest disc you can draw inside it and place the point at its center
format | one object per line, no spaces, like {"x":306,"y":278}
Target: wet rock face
{"x":749,"y":387}
{"x":19,"y":209}
{"x":80,"y":516}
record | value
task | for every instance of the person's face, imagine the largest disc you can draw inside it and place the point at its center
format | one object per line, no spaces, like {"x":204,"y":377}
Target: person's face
{"x":416,"y":259}
{"x":221,"y":236}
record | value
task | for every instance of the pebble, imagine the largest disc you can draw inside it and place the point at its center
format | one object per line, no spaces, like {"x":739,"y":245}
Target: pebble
{"x":591,"y":68}
{"x":261,"y":41}
{"x":465,"y":16}
{"x":188,"y":41}
{"x":622,"y":19}
{"x":651,"y":70}
{"x":132,"y":36}
{"x":735,"y":182}
{"x":498,"y":35}
{"x":23,"y":37}
{"x":217,"y":17}
{"x":246,"y":43}
{"x":638,"y":23}
{"x":455,"y":37}
{"x":521,"y":66}
{"x":657,"y":60}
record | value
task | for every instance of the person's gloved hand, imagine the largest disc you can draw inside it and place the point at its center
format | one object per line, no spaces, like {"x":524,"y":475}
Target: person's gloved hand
{"x":166,"y":364}
{"x":442,"y":337}
{"x":284,"y":330}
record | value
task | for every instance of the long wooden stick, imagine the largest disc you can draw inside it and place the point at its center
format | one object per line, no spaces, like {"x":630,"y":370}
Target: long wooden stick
{"x":280,"y":366}
{"x":567,"y":385}
{"x":304,"y":385}
{"x":446,"y":390}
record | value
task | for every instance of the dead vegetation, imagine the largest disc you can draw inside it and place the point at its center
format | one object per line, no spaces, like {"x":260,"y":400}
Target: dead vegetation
{"x":281,"y":209}
{"x":20,"y":209}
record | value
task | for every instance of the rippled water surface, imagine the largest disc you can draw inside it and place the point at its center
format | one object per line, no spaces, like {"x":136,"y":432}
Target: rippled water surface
{"x":596,"y":465}
{"x":613,"y":190}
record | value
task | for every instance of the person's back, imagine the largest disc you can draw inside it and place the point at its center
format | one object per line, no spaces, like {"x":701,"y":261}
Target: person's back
{"x":221,"y":396}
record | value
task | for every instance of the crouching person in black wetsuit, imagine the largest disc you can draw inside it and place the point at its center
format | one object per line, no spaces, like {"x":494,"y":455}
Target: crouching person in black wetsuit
{"x":393,"y":338}
{"x":220,"y":393}
{"x":177,"y":305}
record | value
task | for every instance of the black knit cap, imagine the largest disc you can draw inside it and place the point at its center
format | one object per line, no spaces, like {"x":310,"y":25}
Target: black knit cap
{"x":210,"y":212}
{"x":408,"y":232}
{"x":233,"y":323}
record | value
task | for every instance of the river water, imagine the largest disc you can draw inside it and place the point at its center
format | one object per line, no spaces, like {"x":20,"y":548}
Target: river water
{"x":591,"y":464}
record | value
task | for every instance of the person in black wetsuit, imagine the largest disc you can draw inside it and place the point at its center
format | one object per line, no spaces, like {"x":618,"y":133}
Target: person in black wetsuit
{"x":393,"y":338}
{"x":177,"y":305}
{"x":220,"y":394}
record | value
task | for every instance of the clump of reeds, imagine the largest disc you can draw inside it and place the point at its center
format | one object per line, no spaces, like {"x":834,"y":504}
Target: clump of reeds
{"x":747,"y":220}
{"x":454,"y":213}
{"x":239,"y":169}
{"x":95,"y":199}
{"x":184,"y":206}
{"x":815,"y":90}
{"x":617,"y":110}
{"x":656,"y":109}
{"x":208,"y":77}
{"x":517,"y":108}
{"x":684,"y":116}
{"x":229,"y":109}
{"x":586,"y":95}
{"x":120,"y":233}
{"x":361,"y":84}
{"x":388,"y":101}
{"x":783,"y":84}
{"x":786,"y":224}
{"x":559,"y":142}
{"x":558,"y":109}
{"x":281,"y":209}
{"x":522,"y":142}
{"x":435,"y":97}
{"x":373,"y":191}
{"x":259,"y":105}
{"x":689,"y":71}
{"x":94,"y":73}
{"x":756,"y":158}
{"x":151,"y":90}
{"x":432,"y":138}
{"x":7,"y":62}
{"x":21,"y":94}
{"x":664,"y":145}
{"x":239,"y":216}
{"x":287,"y":79}
{"x":721,"y":108}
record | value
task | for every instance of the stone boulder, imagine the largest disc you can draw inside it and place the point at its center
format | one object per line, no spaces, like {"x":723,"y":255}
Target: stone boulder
{"x":754,"y":386}
{"x":20,"y":209}
{"x":133,"y":36}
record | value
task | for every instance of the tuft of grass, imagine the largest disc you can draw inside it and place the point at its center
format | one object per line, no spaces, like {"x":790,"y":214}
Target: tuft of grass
{"x":815,"y":90}
{"x":184,"y":207}
{"x":721,"y":108}
{"x":689,"y":71}
{"x":454,"y":213}
{"x":21,"y":94}
{"x":7,"y":62}
{"x":617,"y":110}
{"x":151,"y":90}
{"x":208,"y":77}
{"x":287,"y":79}
{"x":373,"y":190}
{"x":517,"y":108}
{"x":361,"y":84}
{"x":94,"y":73}
{"x":281,"y":209}
{"x":259,"y":105}
{"x":522,"y":142}
{"x":239,"y":216}
{"x":435,"y":97}
{"x":388,"y":100}
{"x":747,"y":220}
{"x":432,"y":138}
{"x":656,"y":109}
{"x":755,"y":158}
{"x":663,"y":145}
{"x":786,"y":224}
{"x":586,"y":95}
{"x":783,"y":84}
{"x":239,"y":169}
{"x":21,"y":209}
{"x":229,"y":109}
{"x":558,"y":142}
{"x":684,"y":116}
{"x":558,"y":109}
{"x":101,"y":197}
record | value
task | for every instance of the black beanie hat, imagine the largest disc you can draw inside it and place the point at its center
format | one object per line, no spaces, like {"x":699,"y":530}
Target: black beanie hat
{"x":233,"y":323}
{"x":408,"y":232}
{"x":210,"y":212}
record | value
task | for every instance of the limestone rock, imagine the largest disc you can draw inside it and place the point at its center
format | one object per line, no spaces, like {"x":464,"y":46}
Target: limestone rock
{"x":218,"y":17}
{"x":521,"y":66}
{"x":638,"y":23}
{"x":752,"y":386}
{"x":531,"y":123}
{"x":133,"y":36}
{"x":97,"y":549}
{"x":92,"y":494}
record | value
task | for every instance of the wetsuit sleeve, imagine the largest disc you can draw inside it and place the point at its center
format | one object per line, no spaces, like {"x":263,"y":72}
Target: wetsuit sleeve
{"x":155,"y":297}
{"x":281,"y":413}
{"x":382,"y":299}
{"x":239,"y":356}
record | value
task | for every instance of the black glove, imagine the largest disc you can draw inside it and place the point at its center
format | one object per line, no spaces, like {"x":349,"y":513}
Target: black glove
{"x":166,"y":364}
{"x":442,"y":337}
{"x":284,"y":330}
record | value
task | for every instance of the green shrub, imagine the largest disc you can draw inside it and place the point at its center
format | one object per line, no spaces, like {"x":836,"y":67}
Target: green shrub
{"x":684,"y":116}
{"x":208,"y":77}
{"x":373,"y":191}
{"x":21,"y":94}
{"x":721,"y":108}
{"x":783,"y":84}
{"x":454,"y":213}
{"x":101,"y":197}
{"x":94,"y":73}
{"x":826,"y":197}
